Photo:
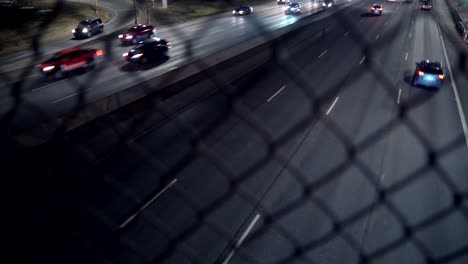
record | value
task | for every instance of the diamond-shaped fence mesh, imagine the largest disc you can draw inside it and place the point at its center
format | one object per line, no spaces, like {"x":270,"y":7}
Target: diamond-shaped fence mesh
{"x":160,"y":180}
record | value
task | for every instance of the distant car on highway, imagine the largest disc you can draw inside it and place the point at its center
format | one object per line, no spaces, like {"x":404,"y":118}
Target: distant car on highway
{"x":328,"y":3}
{"x":428,"y":73}
{"x":150,"y":50}
{"x":138,"y":33}
{"x":293,"y":8}
{"x":88,"y":28}
{"x":68,"y":60}
{"x":242,"y":10}
{"x":282,"y":2}
{"x":426,"y":6}
{"x":376,"y":9}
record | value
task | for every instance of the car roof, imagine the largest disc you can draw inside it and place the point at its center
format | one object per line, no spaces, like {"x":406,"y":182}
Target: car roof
{"x":141,"y":26}
{"x":67,"y":51}
{"x":379,"y":5}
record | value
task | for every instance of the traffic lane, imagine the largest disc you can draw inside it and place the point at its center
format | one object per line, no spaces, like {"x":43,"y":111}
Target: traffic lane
{"x":123,"y":15}
{"x":340,"y":195}
{"x":436,"y":120}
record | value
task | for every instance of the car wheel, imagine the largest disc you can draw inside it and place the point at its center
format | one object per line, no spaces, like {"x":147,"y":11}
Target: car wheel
{"x":413,"y":80}
{"x":144,"y":60}
{"x":89,"y":34}
{"x":58,"y":74}
{"x":90,"y":65}
{"x":101,"y":29}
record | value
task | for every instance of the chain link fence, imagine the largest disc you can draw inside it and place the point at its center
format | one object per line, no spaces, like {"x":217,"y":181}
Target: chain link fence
{"x":56,"y":193}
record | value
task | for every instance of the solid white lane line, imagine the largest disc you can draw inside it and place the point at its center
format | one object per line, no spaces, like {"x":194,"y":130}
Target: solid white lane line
{"x":454,"y":86}
{"x":406,"y":56}
{"x":399,"y":95}
{"x":173,"y":68}
{"x":130,"y":219}
{"x":275,"y":94}
{"x":362,"y":60}
{"x":346,"y":34}
{"x":323,"y":53}
{"x":333,"y":105}
{"x":376,"y":38}
{"x":241,"y":239}
{"x":45,"y":86}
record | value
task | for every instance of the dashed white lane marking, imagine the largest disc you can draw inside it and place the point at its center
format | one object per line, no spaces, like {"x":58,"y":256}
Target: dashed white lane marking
{"x":130,"y":219}
{"x":399,"y":96}
{"x":65,"y":98}
{"x":377,"y":37}
{"x":323,"y":53}
{"x":241,"y":239}
{"x":362,"y":60}
{"x":275,"y":94}
{"x":410,"y":35}
{"x":346,"y":34}
{"x":45,"y":86}
{"x":406,"y":56}
{"x":333,"y":105}
{"x":214,"y":32}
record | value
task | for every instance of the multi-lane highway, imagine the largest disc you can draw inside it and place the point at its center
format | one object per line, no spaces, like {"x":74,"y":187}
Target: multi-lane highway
{"x":191,"y":41}
{"x":325,"y":155}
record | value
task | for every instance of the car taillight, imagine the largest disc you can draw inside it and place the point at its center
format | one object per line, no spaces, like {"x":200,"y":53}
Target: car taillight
{"x":99,"y":52}
{"x":441,"y":76}
{"x":420,"y":73}
{"x":168,"y":44}
{"x":372,"y":8}
{"x":380,"y":9}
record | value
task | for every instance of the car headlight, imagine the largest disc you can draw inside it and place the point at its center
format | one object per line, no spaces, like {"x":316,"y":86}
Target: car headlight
{"x":125,"y":54}
{"x":48,"y":68}
{"x":330,"y":4}
{"x":233,"y":11}
{"x":136,"y":56}
{"x":120,"y":36}
{"x":241,"y":12}
{"x":85,"y":30}
{"x":323,"y":4}
{"x":129,"y":37}
{"x":73,"y":31}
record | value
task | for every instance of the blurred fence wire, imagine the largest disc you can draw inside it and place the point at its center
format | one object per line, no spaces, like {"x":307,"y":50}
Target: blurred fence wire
{"x":54,"y":190}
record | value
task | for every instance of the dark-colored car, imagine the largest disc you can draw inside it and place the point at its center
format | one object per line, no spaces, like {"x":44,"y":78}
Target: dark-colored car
{"x":88,"y":28}
{"x":68,"y":60}
{"x":328,"y":3}
{"x":148,"y":50}
{"x":376,"y":9}
{"x":426,"y":5}
{"x":138,"y":33}
{"x":293,"y":8}
{"x":242,"y":10}
{"x":429,"y":74}
{"x":283,"y":2}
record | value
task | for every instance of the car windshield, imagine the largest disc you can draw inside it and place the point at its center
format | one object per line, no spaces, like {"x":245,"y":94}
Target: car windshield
{"x":135,"y":29}
{"x":84,"y":24}
{"x":433,"y":70}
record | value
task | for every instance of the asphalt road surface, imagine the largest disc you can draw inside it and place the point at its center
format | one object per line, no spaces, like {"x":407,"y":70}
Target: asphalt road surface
{"x":329,"y":156}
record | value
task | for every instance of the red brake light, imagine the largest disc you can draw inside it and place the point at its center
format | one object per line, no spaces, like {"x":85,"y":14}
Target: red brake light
{"x":99,"y":52}
{"x":420,"y":73}
{"x":372,"y":8}
{"x":380,"y":9}
{"x":168,"y":43}
{"x":441,"y":76}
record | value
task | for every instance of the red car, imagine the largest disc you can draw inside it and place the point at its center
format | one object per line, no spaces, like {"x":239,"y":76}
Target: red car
{"x":137,"y":34}
{"x":68,"y":60}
